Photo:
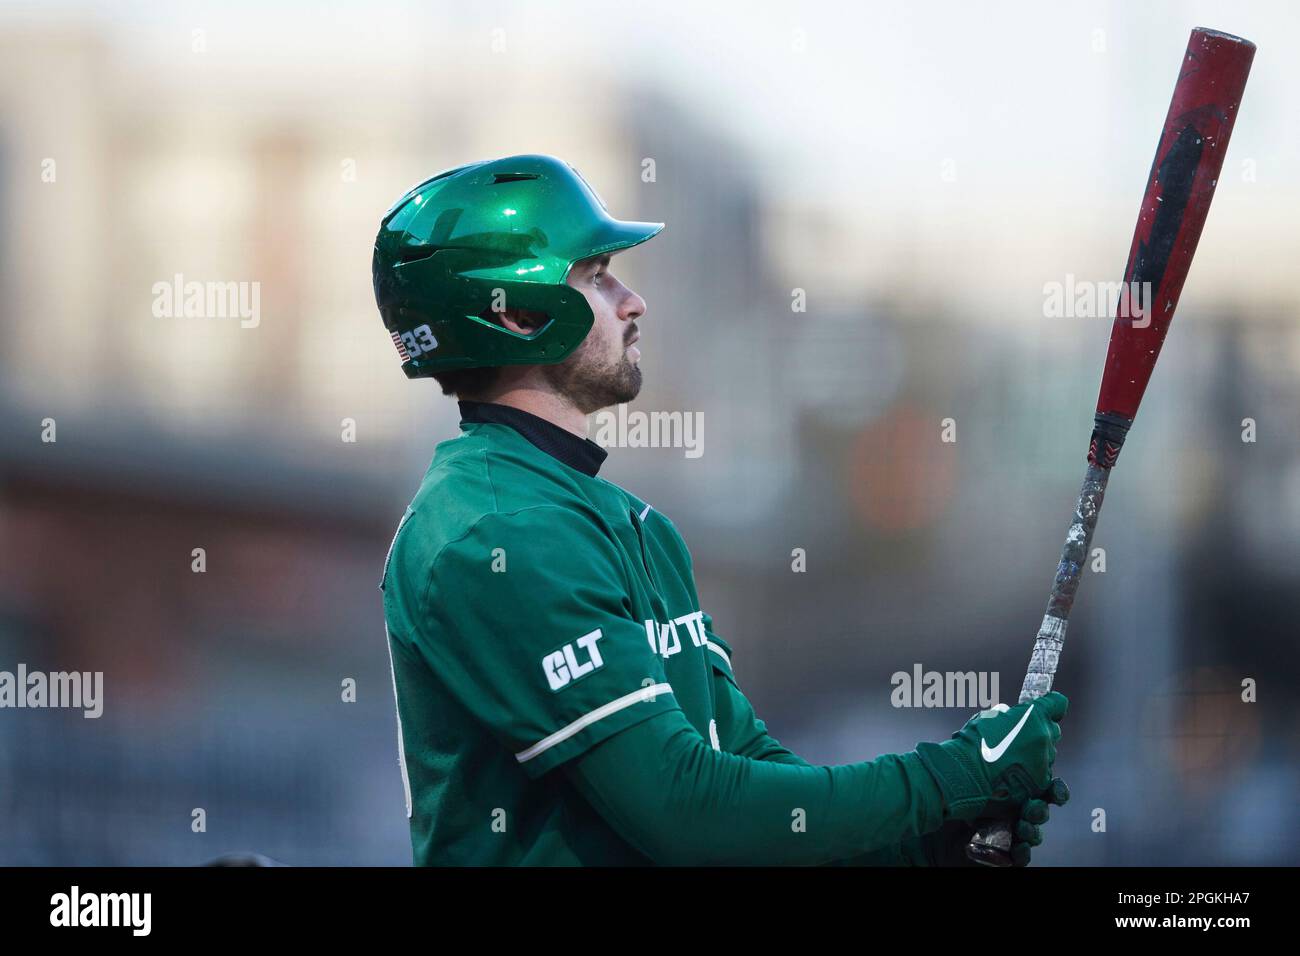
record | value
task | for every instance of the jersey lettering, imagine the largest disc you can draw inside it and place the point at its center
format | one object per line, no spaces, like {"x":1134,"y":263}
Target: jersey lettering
{"x":664,"y":639}
{"x":566,"y":665}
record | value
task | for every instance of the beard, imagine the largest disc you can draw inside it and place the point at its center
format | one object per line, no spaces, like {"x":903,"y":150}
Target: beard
{"x":591,"y":380}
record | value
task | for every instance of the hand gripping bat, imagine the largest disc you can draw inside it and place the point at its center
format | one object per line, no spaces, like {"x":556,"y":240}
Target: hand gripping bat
{"x":1179,"y":188}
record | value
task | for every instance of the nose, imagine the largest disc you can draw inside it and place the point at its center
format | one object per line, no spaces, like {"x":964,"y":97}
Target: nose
{"x":632,"y":306}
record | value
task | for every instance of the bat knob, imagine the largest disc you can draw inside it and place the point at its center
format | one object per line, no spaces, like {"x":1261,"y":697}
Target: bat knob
{"x":991,"y":844}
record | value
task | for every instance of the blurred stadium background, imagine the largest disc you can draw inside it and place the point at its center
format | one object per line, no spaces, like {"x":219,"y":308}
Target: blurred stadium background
{"x":921,"y":170}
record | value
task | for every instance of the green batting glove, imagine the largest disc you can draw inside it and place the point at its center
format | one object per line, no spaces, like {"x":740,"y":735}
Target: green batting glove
{"x":1001,"y":759}
{"x":947,"y":845}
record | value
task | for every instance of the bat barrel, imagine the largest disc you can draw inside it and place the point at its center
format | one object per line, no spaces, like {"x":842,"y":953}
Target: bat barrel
{"x":1188,"y":161}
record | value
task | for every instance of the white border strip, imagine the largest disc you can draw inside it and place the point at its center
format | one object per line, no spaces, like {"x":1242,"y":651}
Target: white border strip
{"x":397,"y":707}
{"x":717,"y":649}
{"x":586,"y":720}
{"x":383,"y":578}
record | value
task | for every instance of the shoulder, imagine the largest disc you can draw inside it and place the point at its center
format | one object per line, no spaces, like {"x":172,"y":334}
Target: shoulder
{"x":489,"y":476}
{"x":483,"y":497}
{"x":547,"y":533}
{"x":456,"y":491}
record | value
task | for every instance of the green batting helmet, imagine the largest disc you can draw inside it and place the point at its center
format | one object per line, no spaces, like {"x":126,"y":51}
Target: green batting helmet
{"x":491,"y":235}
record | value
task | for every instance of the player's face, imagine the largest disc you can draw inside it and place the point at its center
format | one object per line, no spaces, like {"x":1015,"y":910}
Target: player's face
{"x":605,"y":369}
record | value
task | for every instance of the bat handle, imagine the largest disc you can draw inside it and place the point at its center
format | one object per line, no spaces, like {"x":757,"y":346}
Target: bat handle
{"x":991,"y":844}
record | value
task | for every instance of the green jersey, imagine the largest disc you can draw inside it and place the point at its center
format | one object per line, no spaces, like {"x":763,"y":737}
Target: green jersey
{"x":533,"y":610}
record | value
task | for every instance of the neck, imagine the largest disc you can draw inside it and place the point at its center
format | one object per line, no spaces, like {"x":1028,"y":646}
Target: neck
{"x":544,"y":404}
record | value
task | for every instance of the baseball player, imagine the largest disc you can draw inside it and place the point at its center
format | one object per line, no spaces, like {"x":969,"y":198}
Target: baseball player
{"x":562,"y":696}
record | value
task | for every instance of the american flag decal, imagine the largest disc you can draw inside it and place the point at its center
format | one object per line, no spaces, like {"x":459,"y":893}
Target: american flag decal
{"x":401,"y":349}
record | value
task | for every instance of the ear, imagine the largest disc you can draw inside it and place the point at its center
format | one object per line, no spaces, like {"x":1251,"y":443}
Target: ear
{"x":523,"y":321}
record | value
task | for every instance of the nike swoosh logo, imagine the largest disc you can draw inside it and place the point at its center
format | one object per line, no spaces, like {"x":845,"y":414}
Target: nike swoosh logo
{"x":993,"y":754}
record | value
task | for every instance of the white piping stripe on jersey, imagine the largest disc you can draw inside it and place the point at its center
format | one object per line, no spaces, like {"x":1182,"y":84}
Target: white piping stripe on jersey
{"x":586,"y":720}
{"x":644,"y":513}
{"x":388,"y":557}
{"x":401,"y":745}
{"x":717,"y":649}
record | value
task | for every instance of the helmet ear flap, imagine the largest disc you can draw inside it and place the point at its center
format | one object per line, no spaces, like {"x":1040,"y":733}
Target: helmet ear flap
{"x":463,"y":329}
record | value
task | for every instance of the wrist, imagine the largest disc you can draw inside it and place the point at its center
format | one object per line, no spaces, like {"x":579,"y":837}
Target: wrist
{"x":960,"y":779}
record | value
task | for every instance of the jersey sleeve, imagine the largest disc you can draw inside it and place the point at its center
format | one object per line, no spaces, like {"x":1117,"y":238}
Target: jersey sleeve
{"x":740,"y":731}
{"x":719,"y":651}
{"x":668,"y":793}
{"x":527,"y":622}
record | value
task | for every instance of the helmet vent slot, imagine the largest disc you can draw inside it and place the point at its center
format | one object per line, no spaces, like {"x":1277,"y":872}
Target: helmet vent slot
{"x":416,"y":254}
{"x":512,"y":178}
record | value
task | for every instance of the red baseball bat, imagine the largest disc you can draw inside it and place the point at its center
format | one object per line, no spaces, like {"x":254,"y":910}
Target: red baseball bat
{"x":1189,"y":156}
